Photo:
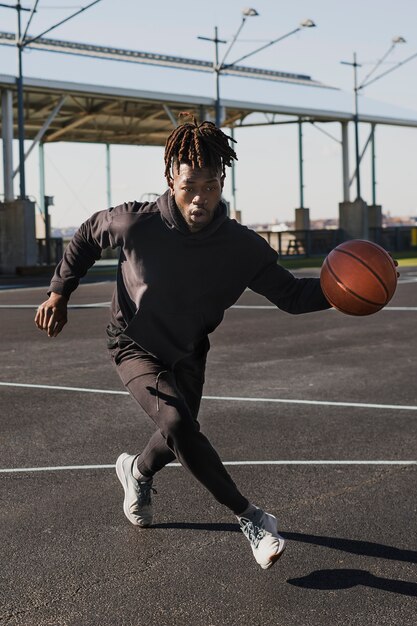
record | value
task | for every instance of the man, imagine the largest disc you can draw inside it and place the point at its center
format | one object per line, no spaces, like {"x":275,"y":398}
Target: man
{"x":183,"y":262}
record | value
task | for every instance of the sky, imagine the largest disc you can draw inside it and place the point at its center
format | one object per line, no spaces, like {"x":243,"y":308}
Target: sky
{"x":267,"y":170}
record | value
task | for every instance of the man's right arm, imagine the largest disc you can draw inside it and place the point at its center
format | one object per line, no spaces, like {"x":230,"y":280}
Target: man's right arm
{"x":81,"y":253}
{"x":84,"y":249}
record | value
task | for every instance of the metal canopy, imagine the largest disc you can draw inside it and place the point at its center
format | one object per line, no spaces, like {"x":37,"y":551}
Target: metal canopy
{"x":162,"y":60}
{"x":99,"y":114}
{"x":105,"y":115}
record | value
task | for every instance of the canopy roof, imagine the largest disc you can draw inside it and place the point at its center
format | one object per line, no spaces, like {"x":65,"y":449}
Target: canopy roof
{"x":103,"y":114}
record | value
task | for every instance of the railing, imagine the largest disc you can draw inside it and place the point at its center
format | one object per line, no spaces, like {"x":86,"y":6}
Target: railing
{"x":395,"y":238}
{"x":52,"y":253}
{"x":309,"y":243}
{"x":306,"y":243}
{"x":303,"y":242}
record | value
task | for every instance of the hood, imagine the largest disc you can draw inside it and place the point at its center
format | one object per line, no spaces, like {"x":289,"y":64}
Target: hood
{"x":173,"y":218}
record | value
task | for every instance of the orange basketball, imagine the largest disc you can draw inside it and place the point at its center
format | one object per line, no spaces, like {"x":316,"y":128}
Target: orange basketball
{"x":358,"y":277}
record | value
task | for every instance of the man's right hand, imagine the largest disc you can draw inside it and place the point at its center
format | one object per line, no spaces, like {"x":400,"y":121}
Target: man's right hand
{"x":51,"y":315}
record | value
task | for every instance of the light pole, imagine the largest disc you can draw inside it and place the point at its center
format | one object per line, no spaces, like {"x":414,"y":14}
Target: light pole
{"x":357,"y":88}
{"x":20,"y":110}
{"x":21,"y":43}
{"x":355,"y":66}
{"x":19,"y":85}
{"x":217,"y":70}
{"x":218,"y":67}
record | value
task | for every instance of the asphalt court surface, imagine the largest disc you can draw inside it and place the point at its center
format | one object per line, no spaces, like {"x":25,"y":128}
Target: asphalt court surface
{"x":344,"y":391}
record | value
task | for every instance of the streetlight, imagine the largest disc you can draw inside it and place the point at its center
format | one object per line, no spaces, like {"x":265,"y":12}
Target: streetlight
{"x":21,"y":43}
{"x":19,"y":84}
{"x":304,"y":24}
{"x":249,"y":12}
{"x":395,"y":40}
{"x":219,"y":67}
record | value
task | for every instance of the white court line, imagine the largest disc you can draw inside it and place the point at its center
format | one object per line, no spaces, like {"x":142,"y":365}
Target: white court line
{"x":98,"y":305}
{"x":95,"y":305}
{"x":62,"y":388}
{"x":269,"y":306}
{"x":106,"y":305}
{"x":400,"y":308}
{"x":407,"y":278}
{"x":60,"y":468}
{"x":7,"y":288}
{"x":361,"y":405}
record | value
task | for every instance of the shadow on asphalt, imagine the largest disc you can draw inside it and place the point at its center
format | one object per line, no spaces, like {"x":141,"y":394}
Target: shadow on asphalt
{"x":331,"y":579}
{"x":366,"y":548}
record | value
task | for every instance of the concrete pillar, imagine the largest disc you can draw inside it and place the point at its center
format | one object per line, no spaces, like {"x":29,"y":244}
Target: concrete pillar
{"x":375,"y":222}
{"x":18,"y":246}
{"x":353,"y":219}
{"x":375,"y":216}
{"x":7,"y":136}
{"x":345,"y":161}
{"x":302,"y":219}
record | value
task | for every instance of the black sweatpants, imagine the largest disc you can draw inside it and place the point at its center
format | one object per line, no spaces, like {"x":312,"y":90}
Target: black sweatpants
{"x":171,"y":398}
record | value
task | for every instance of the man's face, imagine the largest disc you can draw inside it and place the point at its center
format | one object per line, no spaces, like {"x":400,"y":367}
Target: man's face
{"x":197,"y":192}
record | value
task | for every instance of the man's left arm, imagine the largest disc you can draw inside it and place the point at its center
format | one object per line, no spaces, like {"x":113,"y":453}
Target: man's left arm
{"x":291,"y":294}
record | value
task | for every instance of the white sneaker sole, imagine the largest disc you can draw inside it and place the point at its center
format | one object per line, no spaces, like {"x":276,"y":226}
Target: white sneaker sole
{"x":275,"y":557}
{"x":122,"y":477}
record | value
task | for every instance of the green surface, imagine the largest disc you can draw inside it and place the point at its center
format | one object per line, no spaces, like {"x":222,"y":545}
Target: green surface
{"x":405,"y":259}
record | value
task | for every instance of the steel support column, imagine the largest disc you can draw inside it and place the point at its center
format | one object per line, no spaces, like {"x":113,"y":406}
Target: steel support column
{"x":232,"y":134}
{"x":7,"y":137}
{"x":170,"y":114}
{"x":373,"y":166}
{"x":42,"y":179}
{"x":345,"y":161}
{"x":301,"y":162}
{"x":108,"y":175}
{"x":20,"y":105}
{"x":43,"y":130}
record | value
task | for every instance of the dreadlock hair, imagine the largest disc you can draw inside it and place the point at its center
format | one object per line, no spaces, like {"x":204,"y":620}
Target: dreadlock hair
{"x":198,"y":145}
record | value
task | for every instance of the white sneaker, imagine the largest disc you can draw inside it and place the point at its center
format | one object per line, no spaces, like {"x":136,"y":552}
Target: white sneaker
{"x":261,"y":531}
{"x":137,"y":505}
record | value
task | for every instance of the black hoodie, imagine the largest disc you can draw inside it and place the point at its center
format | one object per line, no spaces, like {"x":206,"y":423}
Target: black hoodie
{"x":173,"y":286}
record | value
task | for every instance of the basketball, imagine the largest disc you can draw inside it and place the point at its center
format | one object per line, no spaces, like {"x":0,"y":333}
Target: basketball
{"x":358,"y":277}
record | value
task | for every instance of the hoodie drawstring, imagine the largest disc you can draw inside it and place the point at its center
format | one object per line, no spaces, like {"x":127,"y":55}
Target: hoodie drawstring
{"x":156,"y":385}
